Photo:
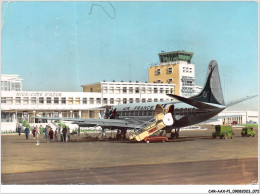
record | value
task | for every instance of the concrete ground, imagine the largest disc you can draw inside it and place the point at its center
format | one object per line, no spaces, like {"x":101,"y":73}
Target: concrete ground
{"x":195,"y":158}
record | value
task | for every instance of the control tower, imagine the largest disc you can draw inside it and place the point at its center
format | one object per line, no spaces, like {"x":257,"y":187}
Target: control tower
{"x":167,"y":57}
{"x":175,"y":68}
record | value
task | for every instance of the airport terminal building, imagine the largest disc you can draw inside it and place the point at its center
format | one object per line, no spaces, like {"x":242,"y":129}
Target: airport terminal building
{"x":87,"y":104}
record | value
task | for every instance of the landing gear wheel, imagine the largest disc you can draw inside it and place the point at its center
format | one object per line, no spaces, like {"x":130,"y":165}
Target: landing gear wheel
{"x":173,"y":135}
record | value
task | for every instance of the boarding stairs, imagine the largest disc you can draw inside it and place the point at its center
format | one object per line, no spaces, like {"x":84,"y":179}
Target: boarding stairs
{"x":149,"y":128}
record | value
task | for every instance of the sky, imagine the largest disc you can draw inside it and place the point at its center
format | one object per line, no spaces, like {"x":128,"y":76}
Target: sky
{"x":59,"y":46}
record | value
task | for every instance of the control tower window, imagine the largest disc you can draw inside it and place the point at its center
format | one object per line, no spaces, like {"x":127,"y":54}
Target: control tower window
{"x":157,"y":71}
{"x":169,"y":70}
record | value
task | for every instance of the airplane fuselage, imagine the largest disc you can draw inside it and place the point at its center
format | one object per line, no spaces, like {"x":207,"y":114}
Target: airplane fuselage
{"x":183,"y":114}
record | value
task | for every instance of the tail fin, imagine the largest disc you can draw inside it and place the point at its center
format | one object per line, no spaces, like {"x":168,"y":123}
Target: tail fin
{"x":212,"y":91}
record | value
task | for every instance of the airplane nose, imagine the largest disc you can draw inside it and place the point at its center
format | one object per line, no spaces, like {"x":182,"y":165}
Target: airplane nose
{"x":167,"y":119}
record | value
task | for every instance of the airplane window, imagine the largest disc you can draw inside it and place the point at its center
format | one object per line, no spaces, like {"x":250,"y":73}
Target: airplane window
{"x":150,"y":113}
{"x":194,"y":111}
{"x":181,"y":111}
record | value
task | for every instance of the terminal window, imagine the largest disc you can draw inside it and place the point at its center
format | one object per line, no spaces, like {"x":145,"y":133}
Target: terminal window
{"x":111,"y":90}
{"x":105,"y":100}
{"x":33,"y":100}
{"x":155,"y":90}
{"x":143,"y":100}
{"x":143,"y":90}
{"x":25,"y":100}
{"x":124,"y":100}
{"x":124,"y":90}
{"x":77,"y":100}
{"x":70,"y":100}
{"x":41,"y":100}
{"x":137,"y":100}
{"x":91,"y":101}
{"x":48,"y":100}
{"x":98,"y":100}
{"x":105,"y":90}
{"x":136,"y":90}
{"x":131,"y":100}
{"x":85,"y":100}
{"x":16,"y":86}
{"x":7,"y":100}
{"x":3,"y":100}
{"x":118,"y":100}
{"x":111,"y":100}
{"x":17,"y":100}
{"x":63,"y":100}
{"x":130,"y":90}
{"x":117,"y":90}
{"x":161,"y":90}
{"x":56,"y":100}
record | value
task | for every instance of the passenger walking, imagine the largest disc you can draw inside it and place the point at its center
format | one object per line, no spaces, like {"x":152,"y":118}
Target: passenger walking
{"x":68,"y":135}
{"x":59,"y":135}
{"x":56,"y":135}
{"x":37,"y":135}
{"x":26,"y":130}
{"x":51,"y":134}
{"x":33,"y":132}
{"x":48,"y":131}
{"x":45,"y":132}
{"x":64,"y":132}
{"x":19,"y":130}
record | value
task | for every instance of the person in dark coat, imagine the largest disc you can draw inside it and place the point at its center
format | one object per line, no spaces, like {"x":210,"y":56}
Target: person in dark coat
{"x":26,"y":130}
{"x":45,"y":132}
{"x":19,"y":130}
{"x":64,"y":132}
{"x":51,"y":134}
{"x":34,"y":132}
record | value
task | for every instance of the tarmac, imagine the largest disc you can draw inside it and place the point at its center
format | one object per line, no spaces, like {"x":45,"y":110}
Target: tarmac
{"x":195,"y":158}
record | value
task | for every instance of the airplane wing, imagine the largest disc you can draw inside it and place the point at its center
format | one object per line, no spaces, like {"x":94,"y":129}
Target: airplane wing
{"x":95,"y":122}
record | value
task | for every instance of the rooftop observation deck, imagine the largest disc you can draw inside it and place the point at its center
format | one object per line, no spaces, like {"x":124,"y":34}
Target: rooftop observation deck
{"x":165,"y":57}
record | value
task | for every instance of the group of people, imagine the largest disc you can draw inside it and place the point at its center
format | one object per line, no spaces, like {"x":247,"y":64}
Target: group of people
{"x":57,"y":135}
